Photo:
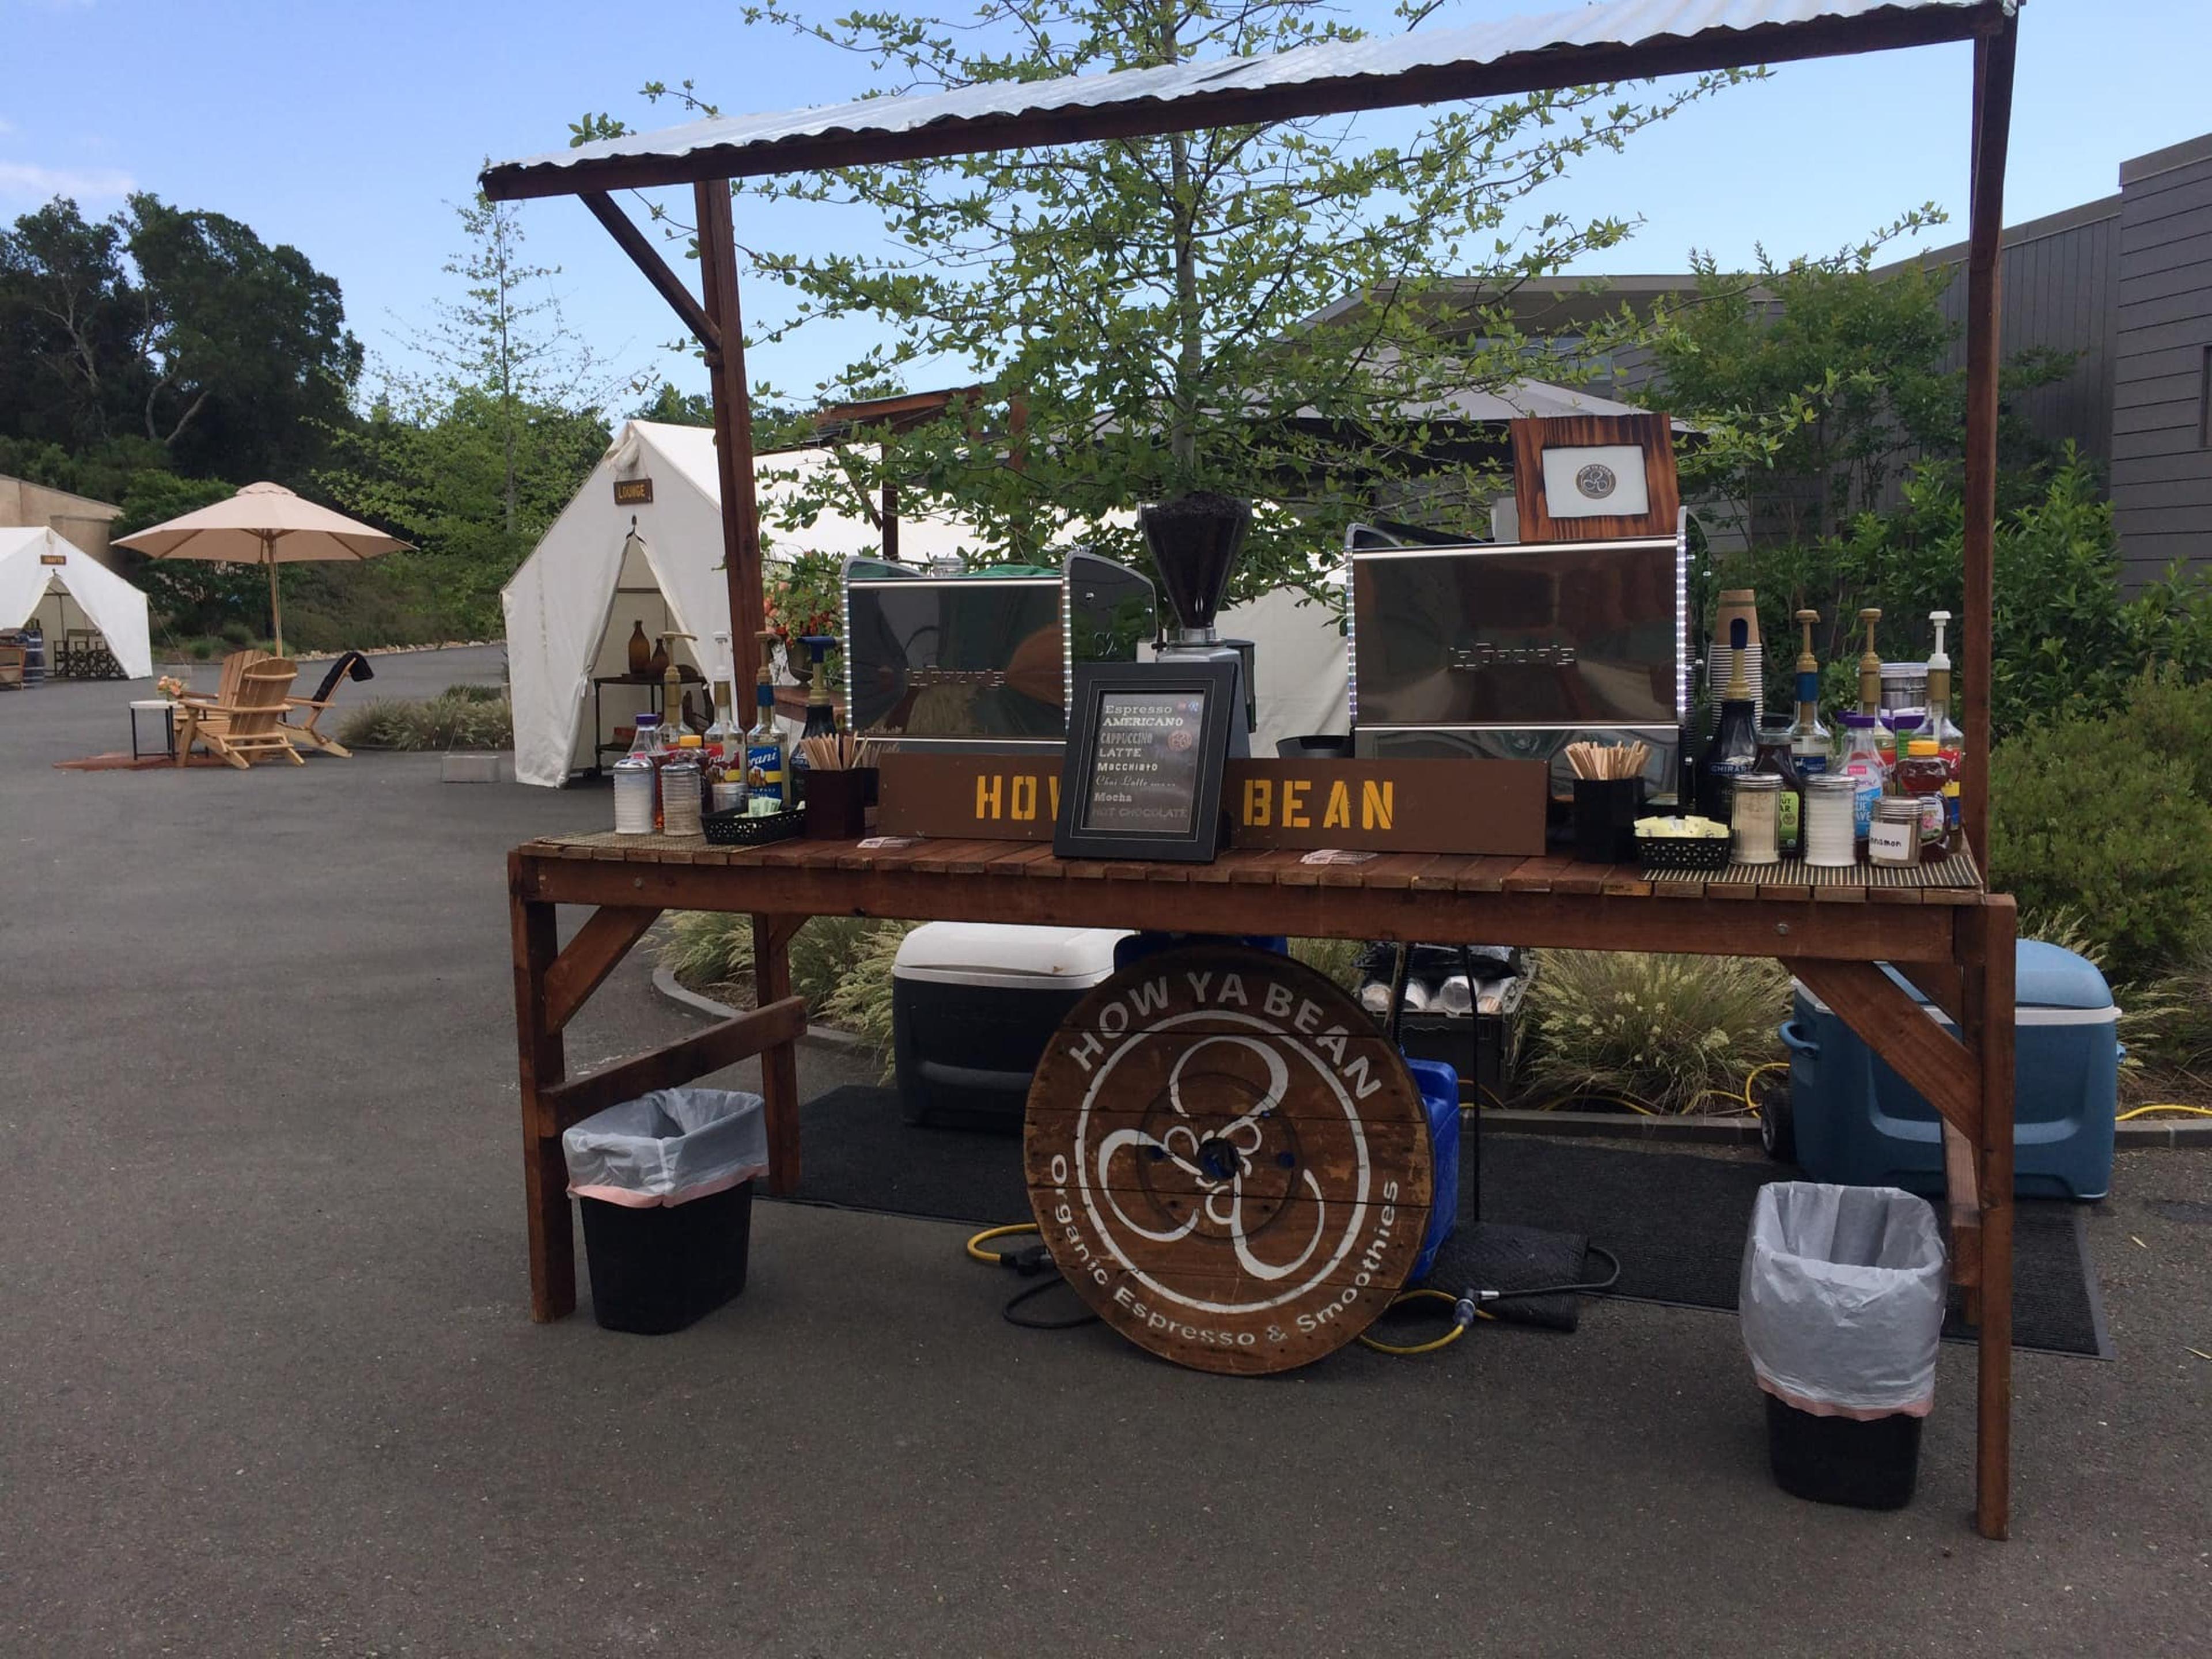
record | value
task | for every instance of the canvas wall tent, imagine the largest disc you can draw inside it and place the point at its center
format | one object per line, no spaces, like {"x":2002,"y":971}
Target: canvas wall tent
{"x":606,"y":565}
{"x":570,"y":608}
{"x":44,"y":576}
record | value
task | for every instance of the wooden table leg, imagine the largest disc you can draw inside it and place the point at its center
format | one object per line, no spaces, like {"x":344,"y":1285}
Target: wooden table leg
{"x":541,"y":1065}
{"x":780,"y":1062}
{"x":1991,"y":998}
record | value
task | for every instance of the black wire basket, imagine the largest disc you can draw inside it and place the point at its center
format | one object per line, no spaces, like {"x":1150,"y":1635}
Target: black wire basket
{"x":1689,"y":854}
{"x":736,"y":827}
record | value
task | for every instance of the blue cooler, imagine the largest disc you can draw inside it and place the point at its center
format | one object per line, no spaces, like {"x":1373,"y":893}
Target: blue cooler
{"x":1439,"y":1086}
{"x":1857,"y":1123}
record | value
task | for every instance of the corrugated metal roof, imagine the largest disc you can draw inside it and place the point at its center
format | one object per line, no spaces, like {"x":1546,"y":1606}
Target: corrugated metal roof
{"x":1621,"y":39}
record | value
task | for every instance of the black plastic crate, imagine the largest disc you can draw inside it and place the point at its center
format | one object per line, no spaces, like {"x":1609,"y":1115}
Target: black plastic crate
{"x":1491,"y":1043}
{"x":660,"y":1268}
{"x":1868,"y":1465}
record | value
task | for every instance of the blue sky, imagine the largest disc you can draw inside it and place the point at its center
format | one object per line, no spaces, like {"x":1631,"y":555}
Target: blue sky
{"x":347,"y":130}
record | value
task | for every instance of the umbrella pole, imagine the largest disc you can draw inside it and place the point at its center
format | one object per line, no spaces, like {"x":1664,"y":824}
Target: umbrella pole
{"x":275,"y":611}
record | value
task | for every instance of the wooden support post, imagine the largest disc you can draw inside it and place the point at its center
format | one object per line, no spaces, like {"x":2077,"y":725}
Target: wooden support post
{"x":596,"y":952}
{"x":674,"y":1064}
{"x":1989,"y":928}
{"x":1899,"y":1030}
{"x":541,"y":1067}
{"x":779,"y":1063}
{"x":1992,"y":123}
{"x":733,"y":426}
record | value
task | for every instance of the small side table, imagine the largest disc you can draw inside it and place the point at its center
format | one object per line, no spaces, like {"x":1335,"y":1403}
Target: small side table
{"x":168,"y":712}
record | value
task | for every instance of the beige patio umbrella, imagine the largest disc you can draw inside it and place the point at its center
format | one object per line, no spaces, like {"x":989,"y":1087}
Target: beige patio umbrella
{"x":263,"y":523}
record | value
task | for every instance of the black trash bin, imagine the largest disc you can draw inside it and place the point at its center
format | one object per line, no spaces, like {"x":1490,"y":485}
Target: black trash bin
{"x":664,"y":1184}
{"x":1842,"y":1301}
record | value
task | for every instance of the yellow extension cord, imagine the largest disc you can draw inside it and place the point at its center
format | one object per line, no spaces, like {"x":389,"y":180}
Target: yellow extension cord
{"x":990,"y":1259}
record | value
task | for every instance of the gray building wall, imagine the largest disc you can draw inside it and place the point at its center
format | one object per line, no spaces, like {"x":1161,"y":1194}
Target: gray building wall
{"x":2060,"y":286}
{"x":2161,"y":448}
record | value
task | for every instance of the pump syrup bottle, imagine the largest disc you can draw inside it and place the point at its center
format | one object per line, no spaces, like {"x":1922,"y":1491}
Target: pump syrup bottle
{"x":1950,"y":742}
{"x":765,"y":769}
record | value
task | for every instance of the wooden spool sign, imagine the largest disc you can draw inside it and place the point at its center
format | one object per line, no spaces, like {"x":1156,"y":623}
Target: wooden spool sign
{"x":1228,"y":1161}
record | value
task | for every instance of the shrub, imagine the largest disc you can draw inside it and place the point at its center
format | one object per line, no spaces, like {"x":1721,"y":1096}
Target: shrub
{"x":862,"y":1002}
{"x":2084,"y":814}
{"x":1676,"y":1034}
{"x":445,"y":721}
{"x":1335,"y":959}
{"x":235,"y":633}
{"x":708,"y":949}
{"x":475,"y":693}
{"x":2173,"y":718}
{"x":2179,"y":1016}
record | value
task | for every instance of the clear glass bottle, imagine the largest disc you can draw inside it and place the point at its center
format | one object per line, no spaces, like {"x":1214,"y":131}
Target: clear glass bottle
{"x":636,"y":781}
{"x":725,"y":751}
{"x":764,"y":745}
{"x":1861,"y":761}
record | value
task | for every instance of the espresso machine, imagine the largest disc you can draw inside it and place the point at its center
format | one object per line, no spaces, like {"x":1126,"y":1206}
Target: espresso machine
{"x":1515,"y":650}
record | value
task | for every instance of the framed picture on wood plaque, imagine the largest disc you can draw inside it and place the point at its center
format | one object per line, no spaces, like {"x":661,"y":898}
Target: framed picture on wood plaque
{"x":1580,"y":477}
{"x":1146,"y":743}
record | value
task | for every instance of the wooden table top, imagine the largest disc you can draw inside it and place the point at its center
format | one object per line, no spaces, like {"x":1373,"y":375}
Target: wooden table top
{"x":1955,"y":881}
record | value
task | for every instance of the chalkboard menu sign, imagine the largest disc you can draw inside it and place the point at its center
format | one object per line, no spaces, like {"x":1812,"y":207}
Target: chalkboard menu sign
{"x":1147,"y":748}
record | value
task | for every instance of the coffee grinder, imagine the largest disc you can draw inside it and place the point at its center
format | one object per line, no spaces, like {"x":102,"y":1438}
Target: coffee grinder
{"x":1195,"y":542}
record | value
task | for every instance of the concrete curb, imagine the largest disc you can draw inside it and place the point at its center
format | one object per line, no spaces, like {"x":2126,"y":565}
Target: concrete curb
{"x":825,"y":1036}
{"x":1626,"y":1126}
{"x":2164,"y":1131}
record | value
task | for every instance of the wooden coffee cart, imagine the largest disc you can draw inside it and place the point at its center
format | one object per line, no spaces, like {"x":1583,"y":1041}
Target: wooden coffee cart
{"x":1953,"y":941}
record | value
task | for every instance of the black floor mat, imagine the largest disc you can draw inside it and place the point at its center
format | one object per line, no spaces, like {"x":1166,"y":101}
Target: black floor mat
{"x":1676,"y":1220}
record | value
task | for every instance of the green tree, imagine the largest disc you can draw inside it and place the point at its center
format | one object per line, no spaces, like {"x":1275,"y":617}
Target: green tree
{"x":182,"y":332}
{"x":1137,"y":307}
{"x":1831,"y":416}
{"x":473,"y":455}
{"x":250,"y":362}
{"x":676,"y":407}
{"x":503,"y":355}
{"x":71,"y":324}
{"x":447,"y":475}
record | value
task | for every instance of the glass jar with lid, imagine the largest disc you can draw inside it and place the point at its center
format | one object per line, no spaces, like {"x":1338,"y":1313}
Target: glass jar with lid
{"x":1927,"y":778}
{"x":1831,"y":834}
{"x":681,"y":778}
{"x":1753,"y":819}
{"x":635,"y":781}
{"x":1893,"y":838}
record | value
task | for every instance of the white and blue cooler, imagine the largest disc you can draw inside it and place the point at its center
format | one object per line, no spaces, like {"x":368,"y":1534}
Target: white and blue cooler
{"x":973,"y":1006}
{"x":1857,"y":1123}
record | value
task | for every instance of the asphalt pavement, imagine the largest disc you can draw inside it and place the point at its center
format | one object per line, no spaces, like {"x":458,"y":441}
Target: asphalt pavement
{"x":269,"y":1385}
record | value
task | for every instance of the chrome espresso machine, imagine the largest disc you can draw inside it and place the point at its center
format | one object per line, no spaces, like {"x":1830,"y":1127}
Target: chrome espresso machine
{"x":983,"y":659}
{"x":1515,"y":650}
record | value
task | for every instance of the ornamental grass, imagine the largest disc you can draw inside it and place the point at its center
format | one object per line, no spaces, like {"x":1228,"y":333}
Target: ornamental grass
{"x":1671,"y":1034}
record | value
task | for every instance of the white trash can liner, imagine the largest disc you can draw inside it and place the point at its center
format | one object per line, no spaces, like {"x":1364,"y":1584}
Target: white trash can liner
{"x":667,"y":1147}
{"x":1842,"y":1298}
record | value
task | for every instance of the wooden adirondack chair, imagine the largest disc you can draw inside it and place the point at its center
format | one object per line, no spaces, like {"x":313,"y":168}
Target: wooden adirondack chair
{"x":353,"y":664}
{"x":226,"y":691}
{"x":251,"y":724}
